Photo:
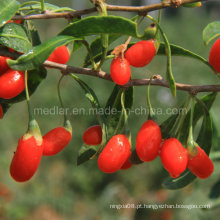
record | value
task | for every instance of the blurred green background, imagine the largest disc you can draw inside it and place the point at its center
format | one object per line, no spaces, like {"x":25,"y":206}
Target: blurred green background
{"x":62,"y":191}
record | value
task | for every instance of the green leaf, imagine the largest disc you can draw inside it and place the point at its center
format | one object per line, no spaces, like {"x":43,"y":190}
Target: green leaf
{"x":8,"y":10}
{"x":175,"y":51}
{"x":216,"y":136}
{"x":35,"y":57}
{"x":169,"y":74}
{"x":96,"y":48}
{"x":32,"y":33}
{"x":77,"y":45}
{"x":208,"y":100}
{"x":193,"y":5}
{"x":85,"y":153}
{"x":95,"y":25}
{"x":177,"y":183}
{"x":180,"y":51}
{"x":134,"y":159}
{"x":215,"y":190}
{"x":113,"y":109}
{"x":167,"y":125}
{"x":14,"y":36}
{"x":204,"y":140}
{"x":211,"y":31}
{"x":91,"y":96}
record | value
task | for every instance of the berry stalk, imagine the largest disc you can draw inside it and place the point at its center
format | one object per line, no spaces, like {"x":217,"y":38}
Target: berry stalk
{"x":190,"y":141}
{"x":151,"y":114}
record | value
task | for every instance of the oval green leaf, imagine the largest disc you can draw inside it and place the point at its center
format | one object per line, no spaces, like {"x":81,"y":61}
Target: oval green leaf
{"x":211,"y":31}
{"x":208,"y":101}
{"x":7,"y":10}
{"x":35,"y":57}
{"x":113,"y":109}
{"x":180,"y":51}
{"x":183,"y":180}
{"x":14,"y":36}
{"x":32,"y":33}
{"x":85,"y":153}
{"x":95,"y":25}
{"x":96,"y":48}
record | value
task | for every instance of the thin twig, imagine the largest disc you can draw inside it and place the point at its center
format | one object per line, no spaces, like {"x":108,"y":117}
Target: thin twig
{"x":138,"y":9}
{"x":157,"y":81}
{"x":50,"y":15}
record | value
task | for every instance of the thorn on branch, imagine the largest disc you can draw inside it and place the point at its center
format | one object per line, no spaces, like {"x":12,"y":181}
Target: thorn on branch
{"x":176,"y":3}
{"x":157,"y":77}
{"x":193,"y":92}
{"x":64,"y":72}
{"x":142,"y":13}
{"x":98,"y":4}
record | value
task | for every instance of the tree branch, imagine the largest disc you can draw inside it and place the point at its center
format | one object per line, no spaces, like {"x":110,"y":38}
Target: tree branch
{"x":153,"y":7}
{"x":50,"y":15}
{"x":157,"y":81}
{"x":141,"y":9}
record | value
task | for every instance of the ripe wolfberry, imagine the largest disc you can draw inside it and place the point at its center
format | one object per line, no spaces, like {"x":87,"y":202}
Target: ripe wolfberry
{"x":148,"y":141}
{"x":127,"y":164}
{"x":55,"y":140}
{"x":15,"y":21}
{"x":141,"y":53}
{"x":60,"y":55}
{"x":12,"y":83}
{"x":114,"y":154}
{"x":12,"y":50}
{"x":200,"y":164}
{"x":1,"y":111}
{"x":120,"y":71}
{"x":93,"y":135}
{"x":214,"y":55}
{"x":3,"y":64}
{"x":26,"y":158}
{"x":174,"y":157}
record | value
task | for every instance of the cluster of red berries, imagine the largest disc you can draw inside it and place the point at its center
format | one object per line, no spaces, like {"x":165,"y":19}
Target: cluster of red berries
{"x":117,"y":152}
{"x":149,"y":144}
{"x":138,"y":55}
{"x":214,"y":55}
{"x":31,"y":148}
{"x":141,"y":54}
{"x":12,"y":82}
